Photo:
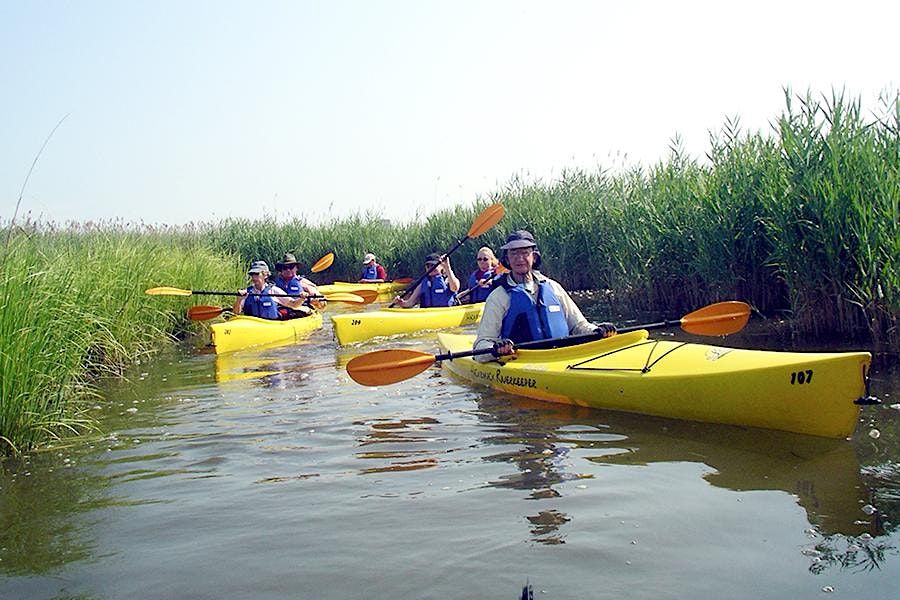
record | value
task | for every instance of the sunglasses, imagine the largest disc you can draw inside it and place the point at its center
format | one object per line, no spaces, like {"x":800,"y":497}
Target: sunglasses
{"x":481,"y":259}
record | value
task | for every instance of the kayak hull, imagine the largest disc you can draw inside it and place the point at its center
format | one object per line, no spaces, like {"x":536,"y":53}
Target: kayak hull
{"x":241,"y":332}
{"x":383,"y":289}
{"x":810,"y":393}
{"x":350,"y":328}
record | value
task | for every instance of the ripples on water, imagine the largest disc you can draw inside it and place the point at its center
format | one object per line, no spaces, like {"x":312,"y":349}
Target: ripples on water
{"x":272,"y":474}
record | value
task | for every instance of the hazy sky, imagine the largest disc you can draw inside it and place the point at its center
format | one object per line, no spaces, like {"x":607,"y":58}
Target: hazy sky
{"x":180,"y":111}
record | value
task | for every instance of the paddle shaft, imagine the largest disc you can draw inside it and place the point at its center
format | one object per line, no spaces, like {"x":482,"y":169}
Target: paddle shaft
{"x":492,"y":279}
{"x":571,"y":340}
{"x":218,"y":293}
{"x":421,"y":278}
{"x":489,"y":217}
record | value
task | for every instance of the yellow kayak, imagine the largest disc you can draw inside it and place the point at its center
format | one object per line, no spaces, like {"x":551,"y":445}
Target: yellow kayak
{"x":802,"y":392}
{"x":361,"y":326}
{"x":241,"y":331}
{"x":383,"y":289}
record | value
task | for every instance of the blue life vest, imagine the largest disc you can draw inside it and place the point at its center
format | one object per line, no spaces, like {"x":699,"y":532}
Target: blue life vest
{"x":369,"y":272}
{"x":260,"y":304}
{"x":527,"y":321}
{"x":291,"y":287}
{"x":478,"y":293}
{"x":434,"y":291}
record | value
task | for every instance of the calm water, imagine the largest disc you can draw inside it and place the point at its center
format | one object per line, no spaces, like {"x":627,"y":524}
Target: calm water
{"x":272,"y":474}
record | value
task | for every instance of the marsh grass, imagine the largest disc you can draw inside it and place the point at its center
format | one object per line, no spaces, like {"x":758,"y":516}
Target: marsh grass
{"x":72,"y":308}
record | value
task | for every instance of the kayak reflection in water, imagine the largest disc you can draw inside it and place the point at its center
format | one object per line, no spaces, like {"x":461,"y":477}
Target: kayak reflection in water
{"x":262,"y":299}
{"x":437,"y":289}
{"x":526,"y":305}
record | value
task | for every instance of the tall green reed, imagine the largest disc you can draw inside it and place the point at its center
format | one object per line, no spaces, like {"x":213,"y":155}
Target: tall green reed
{"x":73,"y":308}
{"x":833,"y":225}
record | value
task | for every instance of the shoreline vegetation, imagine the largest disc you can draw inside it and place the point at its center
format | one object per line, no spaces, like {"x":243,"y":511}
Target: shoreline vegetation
{"x":802,"y":222}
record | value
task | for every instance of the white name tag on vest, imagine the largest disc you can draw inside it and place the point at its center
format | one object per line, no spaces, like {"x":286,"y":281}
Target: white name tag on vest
{"x":554,"y":308}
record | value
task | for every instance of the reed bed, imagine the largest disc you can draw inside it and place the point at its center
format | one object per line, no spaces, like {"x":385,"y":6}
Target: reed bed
{"x":74,"y":308}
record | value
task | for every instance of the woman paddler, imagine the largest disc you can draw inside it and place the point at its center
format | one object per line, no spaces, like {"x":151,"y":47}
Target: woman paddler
{"x":262,"y":299}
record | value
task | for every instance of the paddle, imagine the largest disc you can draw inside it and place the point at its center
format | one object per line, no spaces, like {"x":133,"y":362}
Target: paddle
{"x":499,"y":270}
{"x":204,"y":312}
{"x":390,"y":366}
{"x":487,"y":219}
{"x":320,"y":265}
{"x":354,"y":297}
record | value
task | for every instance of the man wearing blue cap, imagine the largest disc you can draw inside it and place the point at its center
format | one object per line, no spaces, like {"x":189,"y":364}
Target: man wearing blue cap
{"x":528,"y":306}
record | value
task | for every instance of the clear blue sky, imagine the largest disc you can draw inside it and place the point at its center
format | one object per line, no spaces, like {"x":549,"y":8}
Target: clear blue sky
{"x":187,"y":110}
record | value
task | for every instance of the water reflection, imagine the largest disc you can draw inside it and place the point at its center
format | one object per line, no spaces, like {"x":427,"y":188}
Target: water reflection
{"x":43,"y":514}
{"x":49,"y":499}
{"x":822,"y":475}
{"x":396,"y":444}
{"x":275,"y":366}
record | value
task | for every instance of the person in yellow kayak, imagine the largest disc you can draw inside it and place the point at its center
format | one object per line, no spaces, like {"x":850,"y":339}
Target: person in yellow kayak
{"x":526,"y":305}
{"x":263,"y":299}
{"x":372,"y":272}
{"x":437,"y":289}
{"x":288,"y":281}
{"x":287,"y":277}
{"x":481,"y":279}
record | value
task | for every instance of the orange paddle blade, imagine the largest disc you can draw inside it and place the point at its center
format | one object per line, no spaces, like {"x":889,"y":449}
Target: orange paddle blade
{"x":323,"y":263}
{"x":364,"y":296}
{"x":204,"y":313}
{"x":721,"y":318}
{"x":167,"y":291}
{"x":383,"y":367}
{"x":487,"y":219}
{"x":348,"y":297}
{"x":403,"y":280}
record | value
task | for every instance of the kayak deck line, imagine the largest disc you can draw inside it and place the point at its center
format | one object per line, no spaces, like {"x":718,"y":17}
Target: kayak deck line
{"x":645,"y":369}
